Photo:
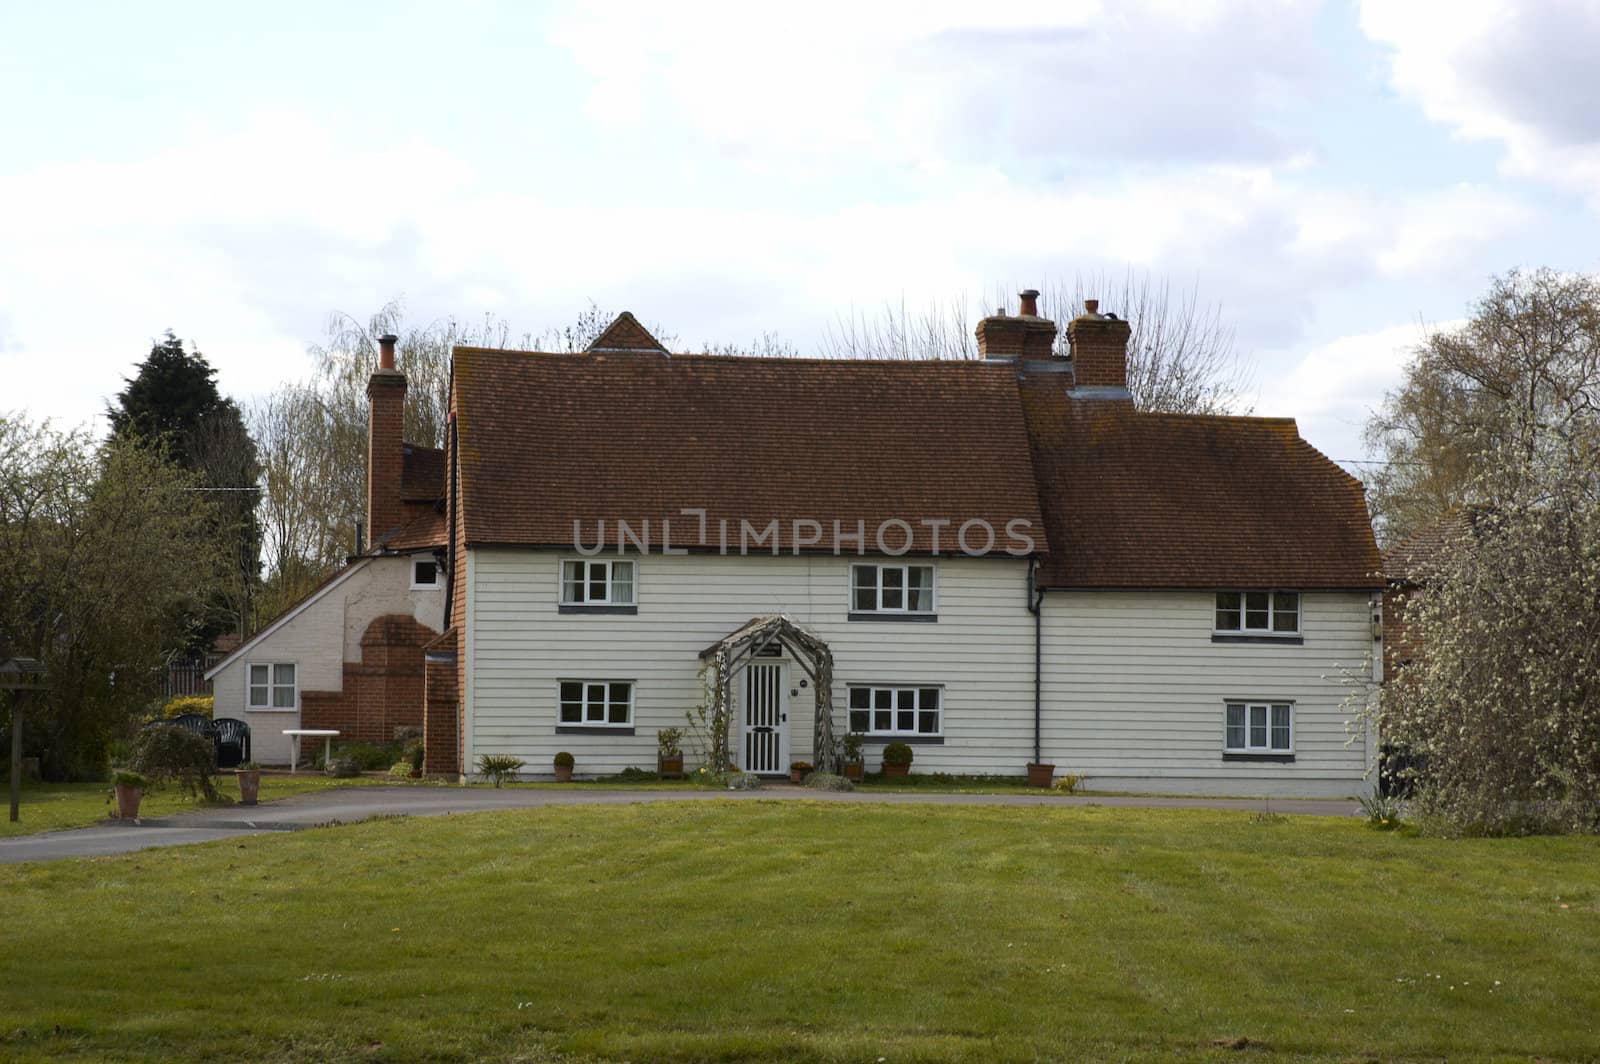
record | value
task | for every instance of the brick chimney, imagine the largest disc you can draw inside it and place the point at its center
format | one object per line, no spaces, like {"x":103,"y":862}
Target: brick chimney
{"x":1099,"y":351}
{"x":1026,"y":336}
{"x":386,"y":414}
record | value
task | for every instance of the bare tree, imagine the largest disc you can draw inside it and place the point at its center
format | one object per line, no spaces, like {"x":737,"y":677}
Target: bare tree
{"x":1181,"y":356}
{"x":1521,"y":376}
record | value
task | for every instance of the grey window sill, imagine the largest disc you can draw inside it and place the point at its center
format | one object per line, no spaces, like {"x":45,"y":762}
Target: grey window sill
{"x":1284,"y":640}
{"x":1269,"y":759}
{"x":584,"y":729}
{"x":909,"y":740}
{"x":576,"y":608}
{"x":915,"y":618}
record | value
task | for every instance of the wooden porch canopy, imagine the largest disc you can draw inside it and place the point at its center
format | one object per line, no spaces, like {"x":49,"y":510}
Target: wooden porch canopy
{"x":728,"y":656}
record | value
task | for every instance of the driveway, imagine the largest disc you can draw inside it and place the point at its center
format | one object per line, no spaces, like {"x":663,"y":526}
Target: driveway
{"x":345,"y":806}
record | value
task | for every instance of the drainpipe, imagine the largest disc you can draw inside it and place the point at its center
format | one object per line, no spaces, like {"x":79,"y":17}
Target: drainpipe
{"x":1035,"y":607}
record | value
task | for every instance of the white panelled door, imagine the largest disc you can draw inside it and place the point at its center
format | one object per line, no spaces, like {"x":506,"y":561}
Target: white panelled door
{"x":765,"y":731}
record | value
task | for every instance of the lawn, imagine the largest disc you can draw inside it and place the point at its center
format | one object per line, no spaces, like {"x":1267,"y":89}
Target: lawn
{"x":54,"y":806}
{"x":809,"y":931}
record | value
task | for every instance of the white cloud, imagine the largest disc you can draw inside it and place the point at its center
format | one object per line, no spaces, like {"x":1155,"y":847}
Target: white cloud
{"x":1333,"y":389}
{"x":831,"y":84}
{"x":1523,"y":76}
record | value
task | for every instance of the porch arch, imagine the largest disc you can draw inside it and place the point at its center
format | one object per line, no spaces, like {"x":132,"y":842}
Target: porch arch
{"x":729,"y":656}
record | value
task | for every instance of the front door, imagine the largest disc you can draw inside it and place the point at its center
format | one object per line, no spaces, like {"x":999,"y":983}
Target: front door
{"x":765,"y":734}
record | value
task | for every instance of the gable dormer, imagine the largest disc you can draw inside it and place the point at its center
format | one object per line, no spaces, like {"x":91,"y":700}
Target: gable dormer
{"x":625,"y":334}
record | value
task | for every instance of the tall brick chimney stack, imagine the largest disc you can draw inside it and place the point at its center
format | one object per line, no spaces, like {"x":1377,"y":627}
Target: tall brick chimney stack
{"x":1099,"y":352}
{"x":386,"y":414}
{"x":1025,"y":336}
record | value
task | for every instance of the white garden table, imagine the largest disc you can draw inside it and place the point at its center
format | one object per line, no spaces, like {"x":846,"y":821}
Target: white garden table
{"x":294,"y":735}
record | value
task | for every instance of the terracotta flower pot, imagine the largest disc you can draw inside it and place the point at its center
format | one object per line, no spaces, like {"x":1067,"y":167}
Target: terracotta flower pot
{"x":563,"y":773}
{"x":670,"y":768}
{"x":249,"y":786}
{"x":896,"y":770}
{"x":1041,"y":775}
{"x":853,"y":770}
{"x":128,"y":799}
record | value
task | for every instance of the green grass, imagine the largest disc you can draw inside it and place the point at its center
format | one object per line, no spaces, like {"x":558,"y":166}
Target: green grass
{"x":810,"y":931}
{"x":57,"y":806}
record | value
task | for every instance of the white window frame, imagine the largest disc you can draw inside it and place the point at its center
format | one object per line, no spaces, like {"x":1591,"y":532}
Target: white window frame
{"x":610,"y":566}
{"x":894,"y":690}
{"x":1269,"y":632}
{"x":605,"y":721}
{"x":417,"y":585}
{"x":905,"y":577}
{"x":271,"y":685}
{"x":1270,"y":705}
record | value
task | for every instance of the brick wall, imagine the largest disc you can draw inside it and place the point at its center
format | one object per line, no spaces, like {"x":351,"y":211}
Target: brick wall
{"x":382,"y":692}
{"x":440,"y":736}
{"x":1399,"y":642}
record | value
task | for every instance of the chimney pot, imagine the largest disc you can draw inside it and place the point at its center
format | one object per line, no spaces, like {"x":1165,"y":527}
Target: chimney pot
{"x":386,"y":344}
{"x":1091,"y":306}
{"x":1030,"y":302}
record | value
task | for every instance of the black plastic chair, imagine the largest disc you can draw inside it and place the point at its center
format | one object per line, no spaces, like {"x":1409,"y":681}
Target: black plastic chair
{"x":233,"y":742}
{"x":204,"y":727}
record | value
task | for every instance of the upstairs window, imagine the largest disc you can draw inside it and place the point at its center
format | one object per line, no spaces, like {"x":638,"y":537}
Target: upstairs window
{"x":597,"y":703}
{"x":891,"y":589}
{"x":272,"y":686}
{"x":424,"y":573}
{"x":1258,"y":612}
{"x":1259,"y":728}
{"x":597,"y":583}
{"x":896,"y":711}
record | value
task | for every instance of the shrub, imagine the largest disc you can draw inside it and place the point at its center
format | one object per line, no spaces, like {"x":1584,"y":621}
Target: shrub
{"x":415,"y":754}
{"x":1070,"y":782}
{"x":500,"y":767}
{"x":897,"y":754}
{"x":130,"y":779}
{"x":369,"y":757}
{"x":564,"y":760}
{"x":743,"y":781}
{"x":852,"y":747}
{"x":168,"y":753}
{"x":827,"y":781}
{"x":178,"y":705}
{"x":1382,"y":811}
{"x":669,"y":742}
{"x":343,"y":768}
{"x":400,"y":770}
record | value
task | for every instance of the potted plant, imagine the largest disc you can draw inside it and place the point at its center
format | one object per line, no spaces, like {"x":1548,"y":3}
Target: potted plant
{"x":1040,"y":775}
{"x":669,"y":753}
{"x":564,"y":763}
{"x":129,"y":788}
{"x":897,"y":759}
{"x":799,"y":770}
{"x":853,"y":766}
{"x":249,"y":777}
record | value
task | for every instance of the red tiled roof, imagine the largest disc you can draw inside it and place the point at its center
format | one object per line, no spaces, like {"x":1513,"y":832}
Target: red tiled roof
{"x":1135,"y":499}
{"x":422,"y":473}
{"x":545,"y":439}
{"x":1406,"y":561}
{"x":426,"y":528}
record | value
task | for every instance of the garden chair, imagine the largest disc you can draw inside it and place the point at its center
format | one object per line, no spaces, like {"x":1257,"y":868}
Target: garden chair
{"x":233,"y":742}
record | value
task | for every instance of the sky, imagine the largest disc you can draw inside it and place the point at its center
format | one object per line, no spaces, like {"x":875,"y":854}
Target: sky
{"x":1338,"y":178}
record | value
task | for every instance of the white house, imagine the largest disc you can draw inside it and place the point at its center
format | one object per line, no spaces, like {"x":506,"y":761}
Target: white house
{"x":999,"y":562}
